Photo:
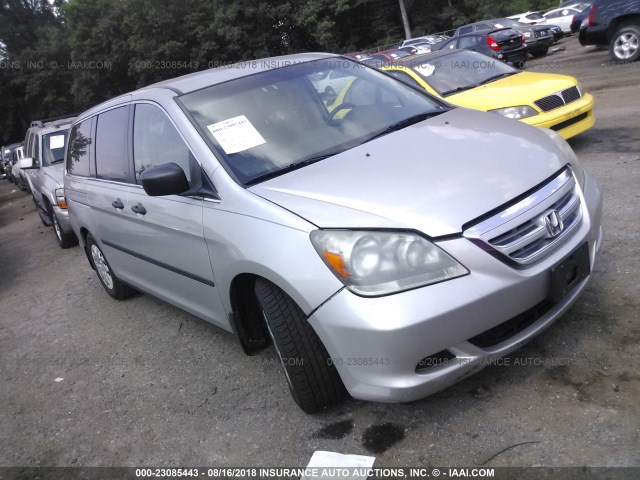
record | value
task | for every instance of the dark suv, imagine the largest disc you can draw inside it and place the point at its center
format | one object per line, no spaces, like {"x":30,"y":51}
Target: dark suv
{"x":615,"y":23}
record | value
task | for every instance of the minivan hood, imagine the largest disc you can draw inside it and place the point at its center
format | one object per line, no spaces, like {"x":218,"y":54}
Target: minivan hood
{"x":434,"y":176}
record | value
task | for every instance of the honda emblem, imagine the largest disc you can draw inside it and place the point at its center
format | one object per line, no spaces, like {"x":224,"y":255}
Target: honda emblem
{"x":553,"y":223}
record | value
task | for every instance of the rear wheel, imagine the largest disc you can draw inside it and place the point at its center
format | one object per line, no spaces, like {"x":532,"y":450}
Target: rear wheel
{"x":625,"y":44}
{"x":65,"y":240}
{"x":313,"y":380}
{"x":110,"y":282}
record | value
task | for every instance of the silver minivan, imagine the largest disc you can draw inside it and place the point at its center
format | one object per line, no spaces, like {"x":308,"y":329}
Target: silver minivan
{"x":386,"y":243}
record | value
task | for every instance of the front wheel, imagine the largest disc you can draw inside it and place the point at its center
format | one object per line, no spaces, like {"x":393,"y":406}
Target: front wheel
{"x":110,"y":282}
{"x":625,"y":44}
{"x":65,"y":240}
{"x":313,"y":380}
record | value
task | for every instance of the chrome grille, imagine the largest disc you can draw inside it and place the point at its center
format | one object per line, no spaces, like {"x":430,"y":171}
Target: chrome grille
{"x":558,"y":99}
{"x":525,"y":233}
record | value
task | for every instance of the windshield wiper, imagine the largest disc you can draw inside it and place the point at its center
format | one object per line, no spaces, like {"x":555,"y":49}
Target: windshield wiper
{"x":289,"y":168}
{"x":458,"y":89}
{"x":56,"y":161}
{"x":406,"y":123}
{"x":496,"y":77}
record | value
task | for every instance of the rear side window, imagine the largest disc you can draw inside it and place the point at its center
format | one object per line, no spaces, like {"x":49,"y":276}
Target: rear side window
{"x":79,"y":152}
{"x":467,"y":29}
{"x":483,"y":27}
{"x":156,"y":141}
{"x":112,"y":160}
{"x":468,"y":42}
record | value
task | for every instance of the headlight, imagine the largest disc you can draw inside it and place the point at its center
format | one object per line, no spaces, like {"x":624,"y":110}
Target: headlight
{"x":522,"y":111}
{"x":61,"y":201}
{"x":373,"y":263}
{"x":527,"y":34}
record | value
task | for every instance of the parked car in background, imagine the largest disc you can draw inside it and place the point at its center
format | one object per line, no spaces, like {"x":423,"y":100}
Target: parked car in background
{"x":615,"y":23}
{"x":43,"y":167}
{"x":538,"y":38}
{"x":17,"y":175}
{"x":543,"y":33}
{"x":473,"y":80}
{"x":428,"y":39}
{"x":530,"y":18}
{"x":387,"y":252}
{"x":504,"y":44}
{"x":578,"y":18}
{"x":416,"y":48}
{"x":562,"y":17}
{"x":6,"y":154}
{"x":3,"y":163}
{"x":389,"y":55}
{"x":557,"y":33}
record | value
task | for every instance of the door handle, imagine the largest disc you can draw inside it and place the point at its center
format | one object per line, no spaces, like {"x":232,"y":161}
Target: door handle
{"x":117,"y":204}
{"x":139,"y":209}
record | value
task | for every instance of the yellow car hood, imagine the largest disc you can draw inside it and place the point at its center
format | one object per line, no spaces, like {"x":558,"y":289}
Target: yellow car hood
{"x":520,"y":89}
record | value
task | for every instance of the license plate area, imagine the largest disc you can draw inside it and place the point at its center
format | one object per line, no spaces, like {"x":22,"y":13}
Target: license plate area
{"x":569,"y":273}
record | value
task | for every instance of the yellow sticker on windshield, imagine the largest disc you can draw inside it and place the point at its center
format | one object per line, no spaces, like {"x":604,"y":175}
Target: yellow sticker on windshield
{"x":236,"y":134}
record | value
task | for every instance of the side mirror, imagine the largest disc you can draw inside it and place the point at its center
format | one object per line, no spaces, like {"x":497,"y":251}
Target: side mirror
{"x":27,"y":163}
{"x":166,"y":179}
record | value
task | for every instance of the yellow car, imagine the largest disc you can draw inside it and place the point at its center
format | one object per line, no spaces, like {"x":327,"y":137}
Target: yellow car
{"x":473,"y":80}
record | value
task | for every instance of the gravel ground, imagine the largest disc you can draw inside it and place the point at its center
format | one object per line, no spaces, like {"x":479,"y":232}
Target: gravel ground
{"x":88,"y":381}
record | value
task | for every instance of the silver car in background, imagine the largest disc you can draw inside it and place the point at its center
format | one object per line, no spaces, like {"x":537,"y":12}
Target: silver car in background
{"x":388,"y":245}
{"x":42,"y":166}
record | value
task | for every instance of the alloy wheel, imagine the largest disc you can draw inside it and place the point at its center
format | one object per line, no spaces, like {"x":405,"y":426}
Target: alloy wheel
{"x":101,"y":266}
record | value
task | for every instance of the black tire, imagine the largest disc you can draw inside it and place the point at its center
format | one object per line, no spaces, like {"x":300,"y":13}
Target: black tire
{"x":114,"y":287}
{"x":313,"y":381}
{"x":625,"y":44}
{"x":65,"y":240}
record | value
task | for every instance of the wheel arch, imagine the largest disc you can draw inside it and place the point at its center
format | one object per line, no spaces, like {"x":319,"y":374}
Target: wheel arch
{"x":246,"y":316}
{"x":84,"y":233}
{"x":622,"y":21}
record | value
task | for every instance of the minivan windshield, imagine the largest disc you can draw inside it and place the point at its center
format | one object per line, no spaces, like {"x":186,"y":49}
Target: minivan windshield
{"x":269,"y":123}
{"x":461,"y":70}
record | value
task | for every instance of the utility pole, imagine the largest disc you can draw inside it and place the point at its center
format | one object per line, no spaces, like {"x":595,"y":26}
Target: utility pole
{"x":405,"y":20}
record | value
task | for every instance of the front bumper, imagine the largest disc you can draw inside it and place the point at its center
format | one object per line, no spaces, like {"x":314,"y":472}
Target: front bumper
{"x":569,"y":120}
{"x":376,"y":343}
{"x":62,"y":214}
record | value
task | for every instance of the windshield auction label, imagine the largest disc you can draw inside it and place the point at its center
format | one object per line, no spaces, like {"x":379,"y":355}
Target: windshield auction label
{"x":236,"y":134}
{"x":56,"y":141}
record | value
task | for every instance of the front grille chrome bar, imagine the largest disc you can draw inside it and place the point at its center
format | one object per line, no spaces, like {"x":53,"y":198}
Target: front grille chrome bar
{"x":531,"y":229}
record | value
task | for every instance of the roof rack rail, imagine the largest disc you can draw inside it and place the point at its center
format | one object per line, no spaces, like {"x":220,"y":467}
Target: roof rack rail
{"x":40,"y":123}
